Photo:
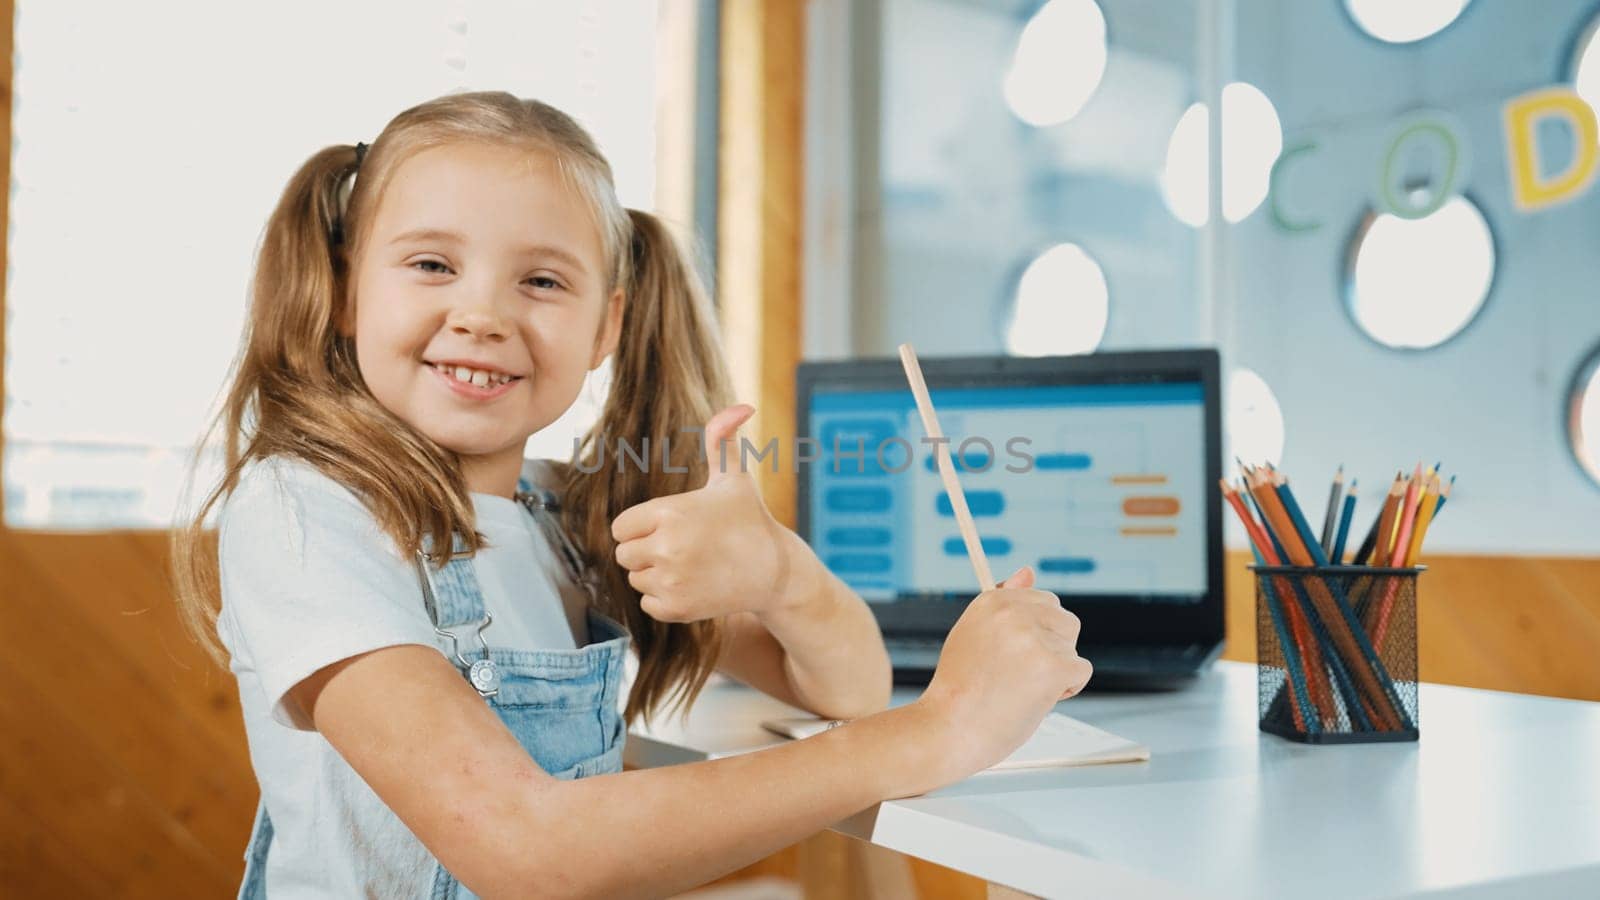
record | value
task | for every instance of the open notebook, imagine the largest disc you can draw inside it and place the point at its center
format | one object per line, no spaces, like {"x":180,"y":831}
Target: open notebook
{"x":1059,"y":741}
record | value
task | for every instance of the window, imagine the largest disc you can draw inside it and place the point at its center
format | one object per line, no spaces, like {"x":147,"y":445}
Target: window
{"x":144,"y":168}
{"x":952,"y":142}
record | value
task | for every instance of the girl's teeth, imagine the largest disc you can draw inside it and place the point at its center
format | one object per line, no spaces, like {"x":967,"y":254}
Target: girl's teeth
{"x":475,"y":377}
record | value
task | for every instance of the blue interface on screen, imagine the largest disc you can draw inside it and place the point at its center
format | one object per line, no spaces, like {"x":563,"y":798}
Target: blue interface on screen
{"x":1098,"y":487}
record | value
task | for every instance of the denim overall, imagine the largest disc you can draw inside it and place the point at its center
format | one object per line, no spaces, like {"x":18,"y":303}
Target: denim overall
{"x":560,"y":704}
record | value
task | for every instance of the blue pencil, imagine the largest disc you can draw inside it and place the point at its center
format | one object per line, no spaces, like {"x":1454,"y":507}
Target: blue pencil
{"x":1443,"y":496}
{"x":1291,"y":656}
{"x":1344,"y":524}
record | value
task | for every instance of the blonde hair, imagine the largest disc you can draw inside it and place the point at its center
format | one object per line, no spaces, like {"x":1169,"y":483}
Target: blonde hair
{"x":295,"y":388}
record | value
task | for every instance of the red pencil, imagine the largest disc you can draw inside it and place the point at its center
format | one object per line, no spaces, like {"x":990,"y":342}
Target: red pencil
{"x":1317,"y":687}
{"x":1408,"y":519}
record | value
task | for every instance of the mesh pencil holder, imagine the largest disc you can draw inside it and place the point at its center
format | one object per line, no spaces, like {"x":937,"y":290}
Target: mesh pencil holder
{"x":1336,"y":652}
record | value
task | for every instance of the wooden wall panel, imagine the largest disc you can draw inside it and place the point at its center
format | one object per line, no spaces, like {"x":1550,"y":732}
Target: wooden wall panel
{"x":123,"y":764}
{"x":759,"y":223}
{"x":1524,"y":624}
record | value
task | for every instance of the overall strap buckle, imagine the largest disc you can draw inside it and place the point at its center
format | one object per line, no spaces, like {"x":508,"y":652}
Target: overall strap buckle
{"x":481,"y":673}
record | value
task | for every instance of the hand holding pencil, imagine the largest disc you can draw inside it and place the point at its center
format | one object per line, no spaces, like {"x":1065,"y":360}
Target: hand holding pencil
{"x":1010,"y":657}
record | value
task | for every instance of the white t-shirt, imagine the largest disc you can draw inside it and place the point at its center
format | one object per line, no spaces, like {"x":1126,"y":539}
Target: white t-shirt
{"x":309,"y":578}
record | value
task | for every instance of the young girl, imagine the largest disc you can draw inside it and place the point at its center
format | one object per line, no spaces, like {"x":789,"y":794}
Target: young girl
{"x":428,"y":631}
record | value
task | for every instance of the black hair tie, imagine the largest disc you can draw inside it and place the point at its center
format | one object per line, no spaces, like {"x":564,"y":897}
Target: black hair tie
{"x":337,"y":234}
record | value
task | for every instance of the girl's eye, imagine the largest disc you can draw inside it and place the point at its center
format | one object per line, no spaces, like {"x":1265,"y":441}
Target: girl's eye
{"x":540,"y":281}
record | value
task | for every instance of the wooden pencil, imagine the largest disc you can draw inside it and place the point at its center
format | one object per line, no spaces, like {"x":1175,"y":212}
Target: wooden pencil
{"x":1404,"y":514}
{"x":1331,"y":514}
{"x":1377,"y":618}
{"x":1289,"y":638}
{"x":1321,"y":687}
{"x":1444,"y":495}
{"x":947,"y":472}
{"x":1369,"y":547}
{"x":1425,"y":511}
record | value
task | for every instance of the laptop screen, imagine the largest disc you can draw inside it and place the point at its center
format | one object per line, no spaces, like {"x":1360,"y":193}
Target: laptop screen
{"x":1092,"y":471}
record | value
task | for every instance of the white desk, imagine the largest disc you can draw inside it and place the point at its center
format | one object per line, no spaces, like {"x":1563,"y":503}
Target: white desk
{"x":1499,"y":798}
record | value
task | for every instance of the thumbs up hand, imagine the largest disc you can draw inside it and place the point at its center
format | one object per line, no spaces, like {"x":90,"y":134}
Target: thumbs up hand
{"x":711,"y":551}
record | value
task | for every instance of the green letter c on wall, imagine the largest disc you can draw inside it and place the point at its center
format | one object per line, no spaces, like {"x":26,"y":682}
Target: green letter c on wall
{"x":1274,"y":207}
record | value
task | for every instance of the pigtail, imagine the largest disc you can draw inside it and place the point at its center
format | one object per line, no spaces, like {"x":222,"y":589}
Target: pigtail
{"x":668,"y":374}
{"x":295,"y":390}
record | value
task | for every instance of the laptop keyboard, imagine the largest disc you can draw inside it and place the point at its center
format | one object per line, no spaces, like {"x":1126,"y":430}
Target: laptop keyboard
{"x":1155,"y":660}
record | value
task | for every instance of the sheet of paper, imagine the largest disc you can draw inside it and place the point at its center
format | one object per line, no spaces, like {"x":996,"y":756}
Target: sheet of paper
{"x":1059,"y":741}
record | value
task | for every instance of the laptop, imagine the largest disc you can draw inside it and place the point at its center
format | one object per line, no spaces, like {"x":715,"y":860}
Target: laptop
{"x":1100,"y":471}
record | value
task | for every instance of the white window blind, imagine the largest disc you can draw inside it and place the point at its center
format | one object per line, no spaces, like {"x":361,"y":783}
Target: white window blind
{"x":149,"y":144}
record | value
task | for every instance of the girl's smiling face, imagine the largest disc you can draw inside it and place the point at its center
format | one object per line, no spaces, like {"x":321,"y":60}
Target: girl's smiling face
{"x":481,"y":258}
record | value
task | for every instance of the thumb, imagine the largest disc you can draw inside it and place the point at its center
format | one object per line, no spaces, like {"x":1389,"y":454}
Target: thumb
{"x":1021,"y":578}
{"x":724,"y":426}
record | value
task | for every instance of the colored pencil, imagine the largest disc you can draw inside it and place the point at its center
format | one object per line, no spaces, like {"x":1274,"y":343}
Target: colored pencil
{"x":1369,"y":547}
{"x":1426,"y":509}
{"x":1444,"y":495}
{"x":1311,"y":647}
{"x":1293,"y":649}
{"x":1404,"y":513}
{"x":1258,"y":538}
{"x":1408,"y":518}
{"x":1344,"y":524}
{"x":1425,"y":513}
{"x":1392,"y":553}
{"x":1321,"y":654}
{"x":1368,"y":554}
{"x":1332,"y":512}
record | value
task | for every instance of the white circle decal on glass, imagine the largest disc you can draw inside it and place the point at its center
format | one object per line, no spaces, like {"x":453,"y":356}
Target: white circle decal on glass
{"x":1060,"y":59}
{"x":1585,"y":66}
{"x":1255,"y":421}
{"x":1252,"y":138}
{"x":1403,"y":21}
{"x":1583,"y":416}
{"x":1060,"y":306}
{"x":1417,"y":282}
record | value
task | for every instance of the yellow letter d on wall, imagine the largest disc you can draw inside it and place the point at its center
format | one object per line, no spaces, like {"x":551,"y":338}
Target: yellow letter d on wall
{"x":1531,"y":190}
